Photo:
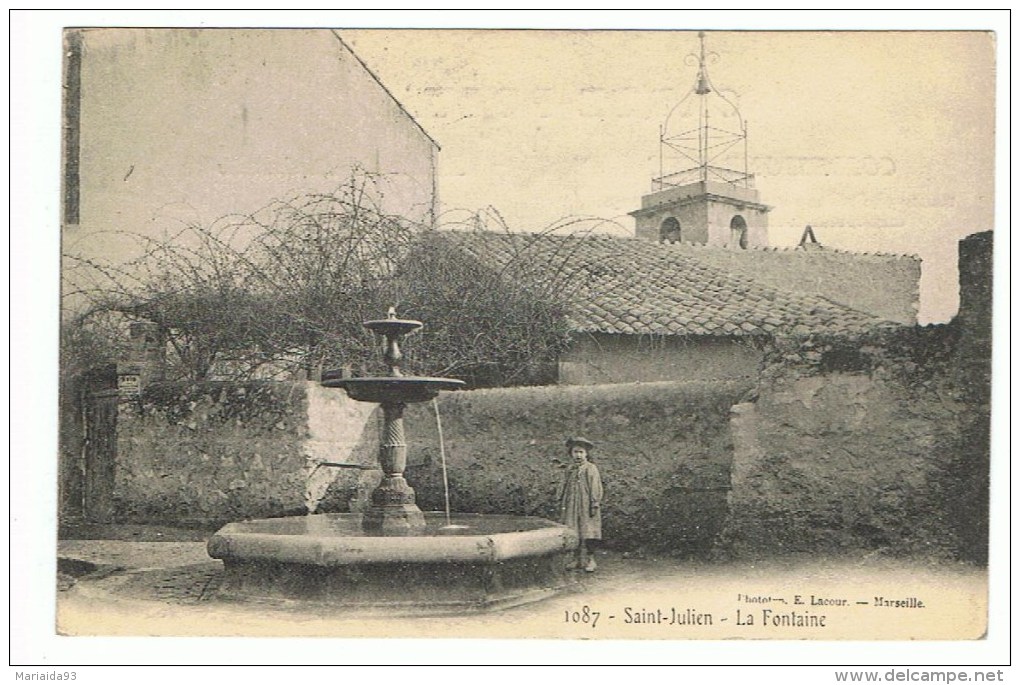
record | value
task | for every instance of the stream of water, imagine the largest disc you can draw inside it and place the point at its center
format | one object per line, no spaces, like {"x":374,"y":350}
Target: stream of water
{"x":442,"y":458}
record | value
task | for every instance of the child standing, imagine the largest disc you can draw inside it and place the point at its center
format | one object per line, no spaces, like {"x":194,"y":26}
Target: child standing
{"x":581,"y":501}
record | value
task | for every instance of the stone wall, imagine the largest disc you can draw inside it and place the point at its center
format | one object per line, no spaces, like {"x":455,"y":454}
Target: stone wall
{"x":975,"y":316}
{"x":663,"y":450}
{"x":873,"y":444}
{"x":857,"y":445}
{"x":214,"y":452}
{"x":219,"y":452}
{"x":972,"y":367}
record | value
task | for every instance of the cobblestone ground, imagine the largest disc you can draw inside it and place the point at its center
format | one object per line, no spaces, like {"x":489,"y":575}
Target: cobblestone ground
{"x":129,"y":587}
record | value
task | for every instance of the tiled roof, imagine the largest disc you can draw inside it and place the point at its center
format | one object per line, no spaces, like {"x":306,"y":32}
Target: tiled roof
{"x":631,"y":286}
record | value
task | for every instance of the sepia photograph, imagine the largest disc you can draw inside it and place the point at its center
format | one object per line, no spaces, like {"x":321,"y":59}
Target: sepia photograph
{"x":573,"y":336}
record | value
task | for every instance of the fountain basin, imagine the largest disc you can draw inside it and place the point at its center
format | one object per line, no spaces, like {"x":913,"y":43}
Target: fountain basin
{"x":478,"y":562}
{"x":389,"y":389}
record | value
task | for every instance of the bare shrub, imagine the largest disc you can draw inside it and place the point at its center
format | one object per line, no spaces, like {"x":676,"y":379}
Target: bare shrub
{"x":283,"y":293}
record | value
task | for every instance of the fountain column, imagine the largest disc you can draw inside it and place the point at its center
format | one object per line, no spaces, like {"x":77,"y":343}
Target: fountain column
{"x":393,"y":507}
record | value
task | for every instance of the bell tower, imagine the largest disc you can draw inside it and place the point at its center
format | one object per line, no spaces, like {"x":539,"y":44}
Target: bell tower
{"x":704,"y":192}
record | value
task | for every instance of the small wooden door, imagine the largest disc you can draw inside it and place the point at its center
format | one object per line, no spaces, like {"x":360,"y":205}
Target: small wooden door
{"x":100,"y":455}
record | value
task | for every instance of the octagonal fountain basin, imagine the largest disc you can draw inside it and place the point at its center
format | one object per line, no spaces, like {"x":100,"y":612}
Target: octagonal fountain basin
{"x":384,"y":389}
{"x":471,"y":562}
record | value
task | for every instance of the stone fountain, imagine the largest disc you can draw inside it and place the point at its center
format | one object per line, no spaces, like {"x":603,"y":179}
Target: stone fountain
{"x":393,"y":555}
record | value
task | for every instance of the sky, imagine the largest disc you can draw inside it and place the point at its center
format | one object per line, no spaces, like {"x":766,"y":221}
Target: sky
{"x":881,"y":141}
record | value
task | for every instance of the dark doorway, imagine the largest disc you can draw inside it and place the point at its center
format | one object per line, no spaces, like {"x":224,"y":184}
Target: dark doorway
{"x":100,"y":455}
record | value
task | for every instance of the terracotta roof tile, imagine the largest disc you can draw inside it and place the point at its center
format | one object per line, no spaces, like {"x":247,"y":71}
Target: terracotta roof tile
{"x":641,"y":287}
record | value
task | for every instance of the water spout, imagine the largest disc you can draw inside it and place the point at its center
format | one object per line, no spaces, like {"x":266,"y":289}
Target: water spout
{"x":442,"y":458}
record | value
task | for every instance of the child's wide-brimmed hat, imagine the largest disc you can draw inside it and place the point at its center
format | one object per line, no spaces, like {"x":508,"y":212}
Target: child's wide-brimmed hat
{"x":580,"y":442}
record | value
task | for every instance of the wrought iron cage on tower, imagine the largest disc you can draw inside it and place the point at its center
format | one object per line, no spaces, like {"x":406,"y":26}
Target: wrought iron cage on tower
{"x":704,"y":192}
{"x":704,"y":131}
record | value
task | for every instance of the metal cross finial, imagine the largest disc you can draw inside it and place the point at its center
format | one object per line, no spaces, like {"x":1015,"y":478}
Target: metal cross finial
{"x":703,"y":87}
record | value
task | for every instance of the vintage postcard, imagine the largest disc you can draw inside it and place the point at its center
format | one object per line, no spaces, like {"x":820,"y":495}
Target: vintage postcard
{"x":673,"y":335}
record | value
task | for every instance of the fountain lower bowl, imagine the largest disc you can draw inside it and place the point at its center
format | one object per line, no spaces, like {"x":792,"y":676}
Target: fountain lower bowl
{"x":469,"y":562}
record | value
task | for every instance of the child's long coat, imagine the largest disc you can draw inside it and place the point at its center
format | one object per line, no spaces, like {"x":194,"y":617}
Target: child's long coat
{"x":581,"y":499}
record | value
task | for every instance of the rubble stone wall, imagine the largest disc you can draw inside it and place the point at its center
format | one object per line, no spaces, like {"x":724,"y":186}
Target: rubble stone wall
{"x":214,"y":452}
{"x":857,"y":446}
{"x":218,"y":452}
{"x":663,"y":450}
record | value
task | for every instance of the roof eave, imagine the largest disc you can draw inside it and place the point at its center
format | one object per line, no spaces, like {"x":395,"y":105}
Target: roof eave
{"x":740,"y":204}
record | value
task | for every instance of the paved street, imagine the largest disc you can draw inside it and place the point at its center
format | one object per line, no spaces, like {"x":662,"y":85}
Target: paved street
{"x":142,"y":587}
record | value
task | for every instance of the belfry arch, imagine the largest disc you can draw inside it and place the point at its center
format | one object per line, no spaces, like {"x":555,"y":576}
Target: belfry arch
{"x":738,"y":232}
{"x":669,"y":231}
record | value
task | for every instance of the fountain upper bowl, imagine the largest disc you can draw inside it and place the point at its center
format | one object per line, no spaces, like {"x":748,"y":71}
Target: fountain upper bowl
{"x":392,"y":327}
{"x":382,"y":389}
